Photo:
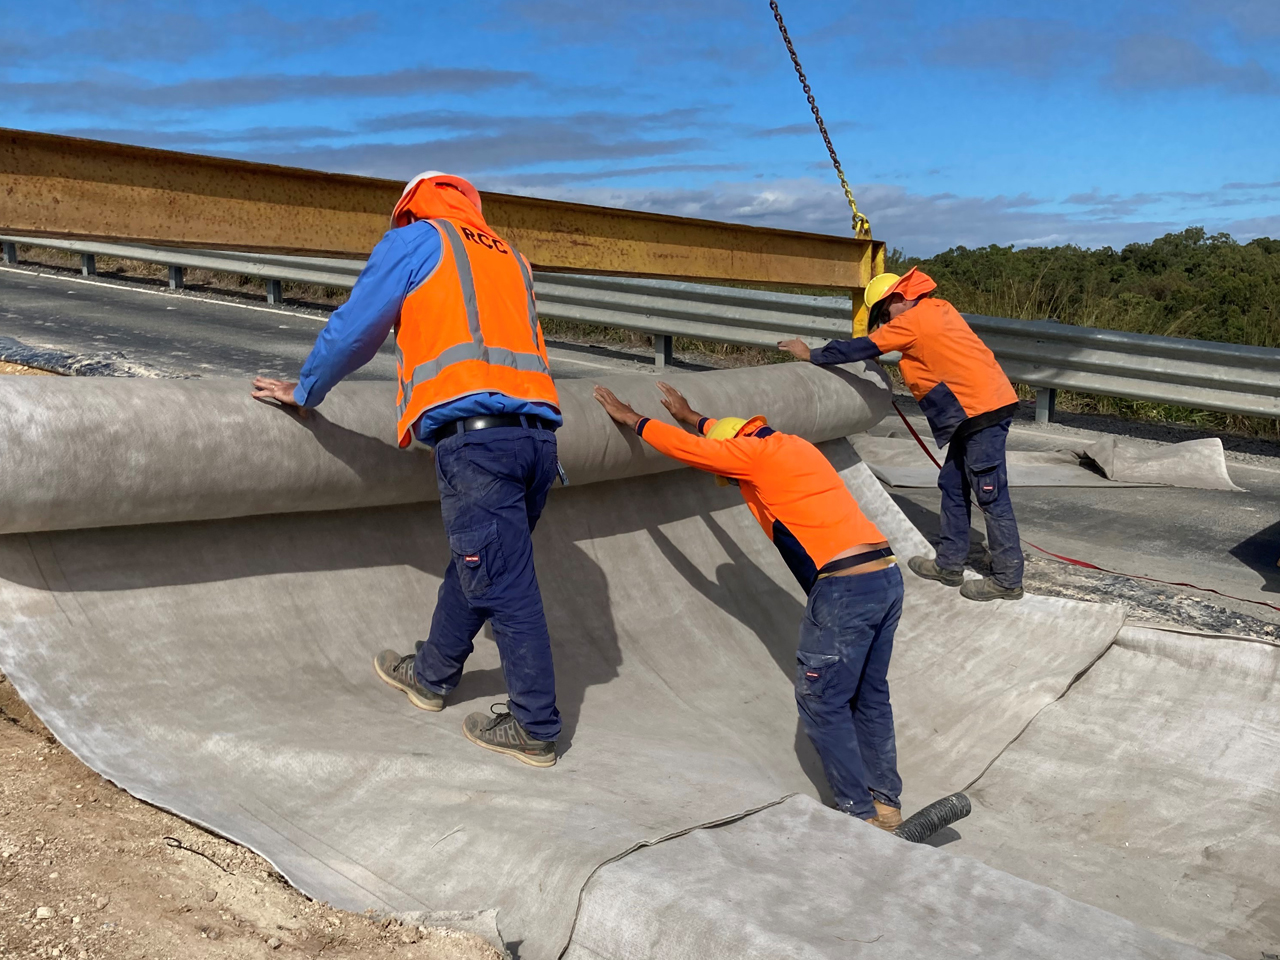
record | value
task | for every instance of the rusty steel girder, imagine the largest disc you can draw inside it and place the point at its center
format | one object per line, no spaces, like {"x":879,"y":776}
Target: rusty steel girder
{"x":53,"y":186}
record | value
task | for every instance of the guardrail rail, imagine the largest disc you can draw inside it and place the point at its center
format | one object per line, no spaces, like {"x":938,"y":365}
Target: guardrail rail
{"x":1043,"y":354}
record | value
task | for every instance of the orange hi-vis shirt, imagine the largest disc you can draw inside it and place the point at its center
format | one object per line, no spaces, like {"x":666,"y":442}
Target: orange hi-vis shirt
{"x":952,"y":373}
{"x":791,"y":488}
{"x":947,"y":368}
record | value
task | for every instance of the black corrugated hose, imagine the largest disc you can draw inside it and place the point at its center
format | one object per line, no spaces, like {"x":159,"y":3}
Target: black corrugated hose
{"x":922,"y":825}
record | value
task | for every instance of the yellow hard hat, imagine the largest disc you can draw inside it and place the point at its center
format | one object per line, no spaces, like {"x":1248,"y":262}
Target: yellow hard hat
{"x":727,"y":428}
{"x":879,"y":288}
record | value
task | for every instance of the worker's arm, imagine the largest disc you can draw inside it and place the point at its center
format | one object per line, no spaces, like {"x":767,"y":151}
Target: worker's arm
{"x":845,"y":351}
{"x":897,"y":334}
{"x":728,"y":458}
{"x":360,"y":326}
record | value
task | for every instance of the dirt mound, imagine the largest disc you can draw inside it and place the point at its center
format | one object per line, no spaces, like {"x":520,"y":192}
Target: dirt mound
{"x":87,"y":871}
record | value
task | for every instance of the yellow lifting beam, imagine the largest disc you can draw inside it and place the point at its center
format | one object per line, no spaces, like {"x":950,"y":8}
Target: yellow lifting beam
{"x":54,"y":186}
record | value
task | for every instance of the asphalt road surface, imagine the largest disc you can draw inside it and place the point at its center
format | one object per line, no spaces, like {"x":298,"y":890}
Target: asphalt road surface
{"x":177,"y":334}
{"x":1224,"y":541}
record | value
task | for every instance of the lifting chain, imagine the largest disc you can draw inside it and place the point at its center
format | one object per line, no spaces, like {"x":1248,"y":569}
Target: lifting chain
{"x":861,"y":225}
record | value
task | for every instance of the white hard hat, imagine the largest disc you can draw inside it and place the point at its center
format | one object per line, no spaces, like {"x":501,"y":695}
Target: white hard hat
{"x":435,"y":176}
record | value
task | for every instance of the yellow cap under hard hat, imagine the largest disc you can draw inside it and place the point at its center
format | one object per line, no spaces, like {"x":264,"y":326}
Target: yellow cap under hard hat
{"x":879,"y":288}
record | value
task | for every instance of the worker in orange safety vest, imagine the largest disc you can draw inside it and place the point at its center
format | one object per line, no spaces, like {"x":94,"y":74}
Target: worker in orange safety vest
{"x":969,"y":404}
{"x":844,"y":564}
{"x":475,"y":384}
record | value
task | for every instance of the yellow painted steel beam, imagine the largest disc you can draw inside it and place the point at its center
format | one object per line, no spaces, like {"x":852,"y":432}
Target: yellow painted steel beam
{"x":52,"y":186}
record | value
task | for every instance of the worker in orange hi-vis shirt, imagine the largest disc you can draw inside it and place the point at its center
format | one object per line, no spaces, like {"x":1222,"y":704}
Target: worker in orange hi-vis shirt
{"x":845,"y":566}
{"x":969,"y":404}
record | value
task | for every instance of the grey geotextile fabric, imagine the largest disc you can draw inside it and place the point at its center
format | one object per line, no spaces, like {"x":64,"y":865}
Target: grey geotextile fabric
{"x":799,"y":880}
{"x":221,"y":667}
{"x":1151,"y":790}
{"x":1109,"y":462}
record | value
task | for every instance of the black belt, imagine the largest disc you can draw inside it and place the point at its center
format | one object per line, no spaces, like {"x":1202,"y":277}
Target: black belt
{"x":857,"y":560}
{"x":468,"y":424}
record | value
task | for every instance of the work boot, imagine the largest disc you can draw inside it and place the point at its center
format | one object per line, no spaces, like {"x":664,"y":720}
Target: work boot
{"x":502,"y":733}
{"x":397,"y":671}
{"x":887,"y":818}
{"x":928,"y":568}
{"x":988,"y":589}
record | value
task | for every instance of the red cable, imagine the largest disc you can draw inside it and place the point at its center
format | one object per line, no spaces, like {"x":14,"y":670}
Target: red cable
{"x":923,"y":446}
{"x":1085,"y":564}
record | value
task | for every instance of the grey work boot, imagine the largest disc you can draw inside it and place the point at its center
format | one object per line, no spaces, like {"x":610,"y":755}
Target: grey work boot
{"x":397,"y":671}
{"x":502,"y":733}
{"x":988,"y":589}
{"x":928,"y":568}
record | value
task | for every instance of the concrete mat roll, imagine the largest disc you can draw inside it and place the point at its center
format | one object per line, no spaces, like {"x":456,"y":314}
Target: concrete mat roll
{"x":96,"y":452}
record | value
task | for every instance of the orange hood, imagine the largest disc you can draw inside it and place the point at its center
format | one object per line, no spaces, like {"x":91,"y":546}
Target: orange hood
{"x":435,"y":195}
{"x":914,"y":284}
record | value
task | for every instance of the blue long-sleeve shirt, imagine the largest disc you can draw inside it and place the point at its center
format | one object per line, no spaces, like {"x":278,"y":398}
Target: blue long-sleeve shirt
{"x":401,"y":261}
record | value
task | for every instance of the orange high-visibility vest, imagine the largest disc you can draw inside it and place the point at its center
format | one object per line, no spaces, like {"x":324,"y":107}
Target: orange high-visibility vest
{"x":470,"y":327}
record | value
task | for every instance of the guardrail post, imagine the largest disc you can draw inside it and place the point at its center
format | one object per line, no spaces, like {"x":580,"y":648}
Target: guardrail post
{"x":88,"y":265}
{"x":273,"y":292}
{"x":1046,"y":403}
{"x":175,"y":278}
{"x":10,"y":252}
{"x":662,"y":353}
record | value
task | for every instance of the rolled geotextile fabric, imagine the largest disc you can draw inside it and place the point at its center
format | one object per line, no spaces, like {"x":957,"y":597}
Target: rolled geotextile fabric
{"x":97,"y":452}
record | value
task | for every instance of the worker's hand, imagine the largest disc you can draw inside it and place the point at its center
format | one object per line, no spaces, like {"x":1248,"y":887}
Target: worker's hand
{"x":678,"y":406}
{"x":281,"y":391}
{"x":796,"y":347}
{"x":620,"y":411}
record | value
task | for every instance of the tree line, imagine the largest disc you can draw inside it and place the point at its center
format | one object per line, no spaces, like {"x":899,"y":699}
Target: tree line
{"x":1189,"y":284}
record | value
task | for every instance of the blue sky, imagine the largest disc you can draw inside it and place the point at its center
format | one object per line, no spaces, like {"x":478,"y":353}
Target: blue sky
{"x":958,"y":122}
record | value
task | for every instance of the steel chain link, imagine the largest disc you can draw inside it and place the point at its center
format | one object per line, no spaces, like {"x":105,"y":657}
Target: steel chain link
{"x":861,"y":225}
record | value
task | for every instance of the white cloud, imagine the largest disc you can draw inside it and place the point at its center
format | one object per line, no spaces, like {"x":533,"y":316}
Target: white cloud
{"x":920,"y":224}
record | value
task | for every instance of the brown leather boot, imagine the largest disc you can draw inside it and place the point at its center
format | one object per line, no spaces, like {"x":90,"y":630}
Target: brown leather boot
{"x":887,"y":818}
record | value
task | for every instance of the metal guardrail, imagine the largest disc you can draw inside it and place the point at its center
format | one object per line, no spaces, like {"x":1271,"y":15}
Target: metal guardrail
{"x":1043,"y":354}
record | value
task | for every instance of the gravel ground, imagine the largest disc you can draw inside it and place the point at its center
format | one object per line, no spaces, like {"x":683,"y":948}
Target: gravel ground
{"x":1152,"y":602}
{"x":17,"y":370}
{"x":87,"y":872}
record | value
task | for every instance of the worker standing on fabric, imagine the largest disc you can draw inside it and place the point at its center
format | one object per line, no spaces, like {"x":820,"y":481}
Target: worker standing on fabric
{"x":476,"y":385}
{"x":969,"y":404}
{"x":844,"y":564}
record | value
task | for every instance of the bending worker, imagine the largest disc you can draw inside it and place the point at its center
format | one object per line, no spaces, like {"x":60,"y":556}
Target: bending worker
{"x":969,"y":403}
{"x":845,"y":566}
{"x":475,"y":384}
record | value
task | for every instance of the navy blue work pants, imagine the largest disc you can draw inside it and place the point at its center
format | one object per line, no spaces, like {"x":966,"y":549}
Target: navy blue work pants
{"x":493,"y":486}
{"x":842,"y":686}
{"x":975,"y":466}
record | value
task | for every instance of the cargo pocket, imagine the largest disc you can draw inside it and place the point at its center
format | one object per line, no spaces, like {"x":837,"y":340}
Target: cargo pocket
{"x":814,"y":672}
{"x":986,"y":480}
{"x":477,"y":555}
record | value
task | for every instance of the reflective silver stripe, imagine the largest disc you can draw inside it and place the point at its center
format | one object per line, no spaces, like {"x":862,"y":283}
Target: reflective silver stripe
{"x":463,"y":264}
{"x":460,"y":353}
{"x":528,"y":289}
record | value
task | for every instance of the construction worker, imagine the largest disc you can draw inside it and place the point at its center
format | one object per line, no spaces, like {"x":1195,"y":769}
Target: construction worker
{"x":969,"y":404}
{"x":844,"y":564}
{"x":475,"y":385}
